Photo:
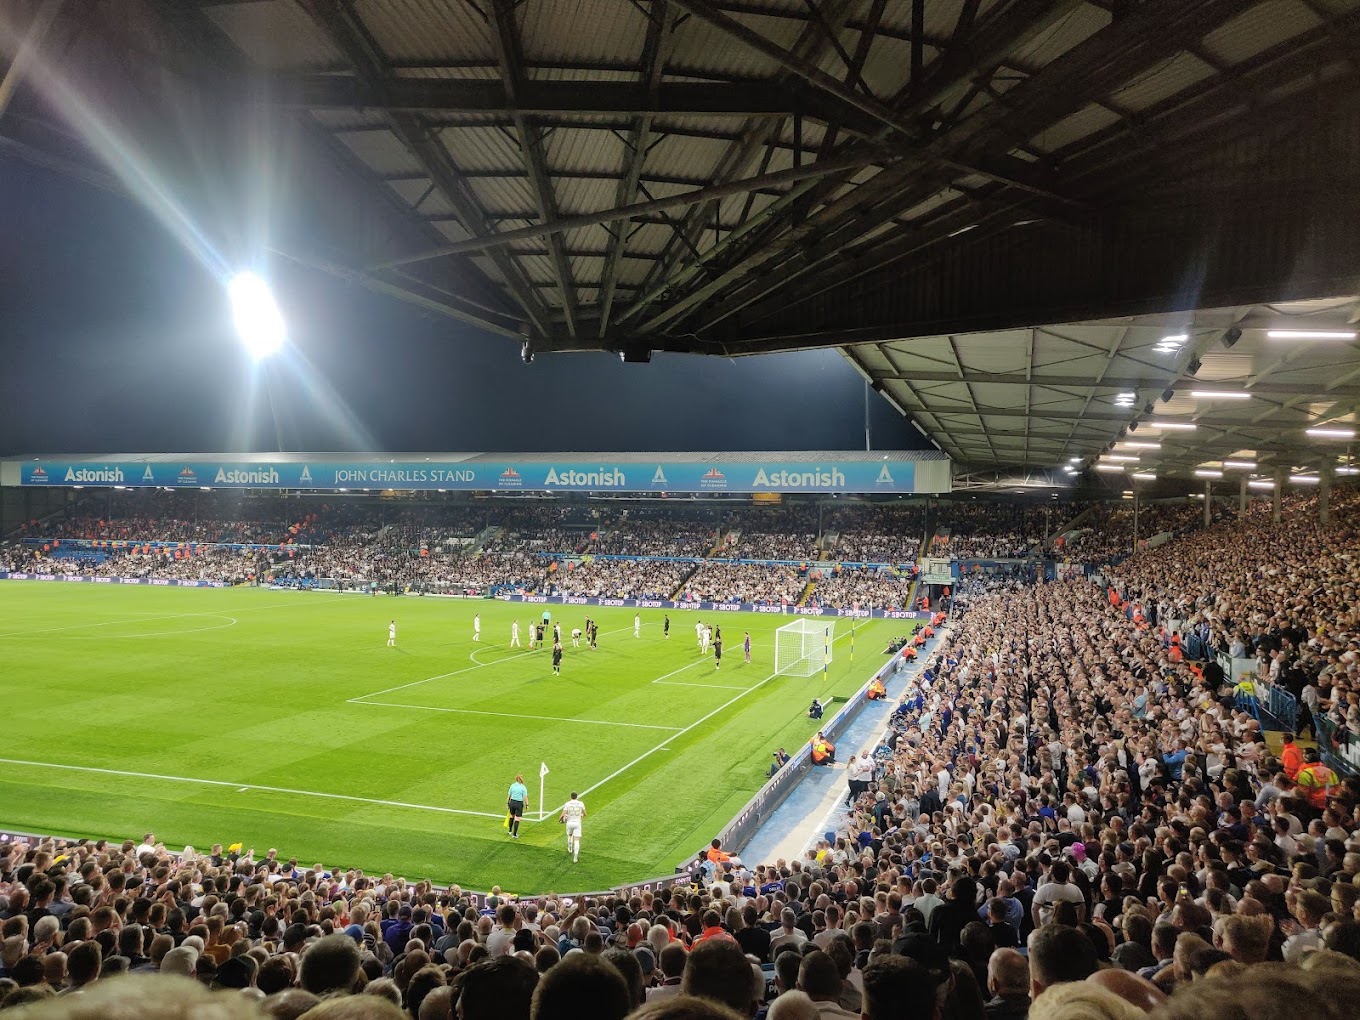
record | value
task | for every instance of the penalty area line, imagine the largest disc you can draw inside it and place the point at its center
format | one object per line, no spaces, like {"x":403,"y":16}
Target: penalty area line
{"x":516,"y":715}
{"x":238,"y":787}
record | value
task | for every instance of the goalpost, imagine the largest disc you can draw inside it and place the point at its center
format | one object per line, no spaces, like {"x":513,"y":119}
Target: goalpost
{"x":803,"y":648}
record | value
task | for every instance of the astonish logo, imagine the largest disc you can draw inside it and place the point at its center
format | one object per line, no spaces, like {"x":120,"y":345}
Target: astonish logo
{"x":599,"y":479}
{"x":247,"y":476}
{"x":99,"y":474}
{"x":818,"y":478}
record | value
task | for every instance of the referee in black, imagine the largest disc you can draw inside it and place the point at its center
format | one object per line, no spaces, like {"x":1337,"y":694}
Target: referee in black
{"x":515,"y":804}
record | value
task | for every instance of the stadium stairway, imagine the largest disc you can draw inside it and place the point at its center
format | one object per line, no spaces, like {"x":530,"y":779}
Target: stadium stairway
{"x":817,"y":803}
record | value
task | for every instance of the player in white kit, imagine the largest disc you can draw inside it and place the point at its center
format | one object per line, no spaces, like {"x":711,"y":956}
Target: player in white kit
{"x":392,"y":634}
{"x":699,"y":633}
{"x":572,"y":813}
{"x":514,"y":634}
{"x":477,"y":627}
{"x":637,"y":625}
{"x":706,"y":640}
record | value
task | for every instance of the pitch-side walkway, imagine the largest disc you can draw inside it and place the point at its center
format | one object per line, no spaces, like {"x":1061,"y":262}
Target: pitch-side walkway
{"x":816,"y":804}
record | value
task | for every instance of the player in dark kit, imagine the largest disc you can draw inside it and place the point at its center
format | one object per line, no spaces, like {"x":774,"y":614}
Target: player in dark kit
{"x":717,"y":649}
{"x":666,"y":627}
{"x":594,"y":634}
{"x":557,"y":658}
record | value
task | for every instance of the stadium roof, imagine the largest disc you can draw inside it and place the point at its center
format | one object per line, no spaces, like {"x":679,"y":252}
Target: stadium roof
{"x":742,"y":176}
{"x":1061,"y":394}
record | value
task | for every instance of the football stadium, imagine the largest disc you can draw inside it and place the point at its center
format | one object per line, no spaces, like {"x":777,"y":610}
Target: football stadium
{"x":679,"y":509}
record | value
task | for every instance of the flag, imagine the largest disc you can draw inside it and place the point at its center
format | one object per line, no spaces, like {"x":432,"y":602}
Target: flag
{"x":542,"y":769}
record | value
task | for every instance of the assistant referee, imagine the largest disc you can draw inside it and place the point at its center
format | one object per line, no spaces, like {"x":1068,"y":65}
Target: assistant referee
{"x":519,"y":793}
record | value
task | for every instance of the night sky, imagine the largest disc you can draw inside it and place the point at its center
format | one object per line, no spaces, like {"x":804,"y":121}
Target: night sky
{"x":115,"y":340}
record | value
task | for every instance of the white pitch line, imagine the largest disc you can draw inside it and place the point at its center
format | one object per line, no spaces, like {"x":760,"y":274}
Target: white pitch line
{"x":716,"y":687}
{"x":675,"y":736}
{"x":362,"y":699}
{"x":171,"y":616}
{"x":248,"y":786}
{"x":515,"y":715}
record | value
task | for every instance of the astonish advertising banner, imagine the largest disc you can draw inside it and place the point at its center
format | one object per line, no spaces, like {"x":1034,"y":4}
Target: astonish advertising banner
{"x":634,"y":476}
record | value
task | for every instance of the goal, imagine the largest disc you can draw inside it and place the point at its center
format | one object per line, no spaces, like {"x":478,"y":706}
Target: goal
{"x":803,"y":648}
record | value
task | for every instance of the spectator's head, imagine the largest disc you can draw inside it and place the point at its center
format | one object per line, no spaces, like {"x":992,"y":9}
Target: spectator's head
{"x":580,"y":978}
{"x":685,"y":1007}
{"x":1058,"y":954}
{"x":331,"y":964}
{"x":1007,"y":974}
{"x":896,"y":988}
{"x":498,"y":989}
{"x":718,"y":969}
{"x":1080,"y":1000}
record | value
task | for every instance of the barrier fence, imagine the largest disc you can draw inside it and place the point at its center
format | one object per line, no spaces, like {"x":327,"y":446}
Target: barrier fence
{"x":1340,"y":748}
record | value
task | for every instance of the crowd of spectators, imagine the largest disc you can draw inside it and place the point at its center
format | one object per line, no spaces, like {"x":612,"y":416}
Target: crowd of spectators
{"x":642,"y":579}
{"x":1108,"y":532}
{"x":877,"y":532}
{"x":863,"y":587}
{"x":991,"y":530}
{"x":772,"y":533}
{"x":739,"y":582}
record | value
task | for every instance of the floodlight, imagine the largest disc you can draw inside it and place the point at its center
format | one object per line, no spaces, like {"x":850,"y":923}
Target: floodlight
{"x":1182,"y":426}
{"x":1249,"y":465}
{"x":258,"y":320}
{"x":1311,"y":334}
{"x":1304,"y":479}
{"x":1220,"y":394}
{"x":1208,"y":473}
{"x":1331,"y":433}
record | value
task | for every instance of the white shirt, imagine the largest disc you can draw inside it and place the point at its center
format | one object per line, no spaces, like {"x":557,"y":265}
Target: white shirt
{"x":391,"y":630}
{"x":477,"y":624}
{"x":574,"y":810}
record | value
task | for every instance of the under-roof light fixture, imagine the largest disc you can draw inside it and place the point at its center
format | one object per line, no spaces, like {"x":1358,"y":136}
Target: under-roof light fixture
{"x":1220,"y":394}
{"x":1249,"y":465}
{"x":1208,"y":473}
{"x":1120,"y":457}
{"x":1331,"y":433}
{"x":1311,"y":334}
{"x":1109,"y":467}
{"x":1260,"y":483}
{"x":1070,"y":469}
{"x":1175,"y":426}
{"x":1348,"y":471}
{"x":1304,"y":479}
{"x":1137,"y":444}
{"x":1144,"y":476}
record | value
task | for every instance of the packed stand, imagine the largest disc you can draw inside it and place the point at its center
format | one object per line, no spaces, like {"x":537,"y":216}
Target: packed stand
{"x":598,"y":578}
{"x":1107,"y":535}
{"x":734,"y":582}
{"x":877,"y":533}
{"x":990,"y":530}
{"x":861,"y":587}
{"x":772,"y":533}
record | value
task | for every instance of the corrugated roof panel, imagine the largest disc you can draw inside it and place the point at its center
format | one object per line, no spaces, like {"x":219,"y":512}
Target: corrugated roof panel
{"x":633,"y":271}
{"x":1004,"y":351}
{"x":1047,"y":46}
{"x":577,"y":74}
{"x":488,"y":267}
{"x":1166,"y":79}
{"x":1088,"y":120}
{"x":1258,"y":28}
{"x":571,"y":149}
{"x":584,"y":195}
{"x":503,"y":195}
{"x":888,"y":66}
{"x":648,"y":237}
{"x":603,"y":30}
{"x":453,"y":230}
{"x":931,"y":204}
{"x":587,"y":268}
{"x":700,"y":46}
{"x":381,"y":151}
{"x":482,"y":148}
{"x":487,"y":71}
{"x":427,"y":30}
{"x":594,"y":238}
{"x":693,"y":157}
{"x":275,"y":34}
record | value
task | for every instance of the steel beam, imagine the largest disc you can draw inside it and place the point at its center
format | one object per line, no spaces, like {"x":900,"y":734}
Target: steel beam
{"x":491,"y":242}
{"x":1118,"y":383}
{"x":506,"y":36}
{"x":342,"y":26}
{"x":537,"y":97}
{"x":27,"y":51}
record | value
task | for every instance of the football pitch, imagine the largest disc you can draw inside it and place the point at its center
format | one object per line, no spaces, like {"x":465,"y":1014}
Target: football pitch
{"x":282,"y":719}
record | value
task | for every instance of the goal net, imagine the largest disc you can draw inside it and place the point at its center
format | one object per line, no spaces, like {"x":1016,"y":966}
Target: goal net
{"x":803,"y":648}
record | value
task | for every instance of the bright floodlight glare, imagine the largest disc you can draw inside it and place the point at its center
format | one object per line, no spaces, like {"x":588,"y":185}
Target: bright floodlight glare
{"x":258,"y":320}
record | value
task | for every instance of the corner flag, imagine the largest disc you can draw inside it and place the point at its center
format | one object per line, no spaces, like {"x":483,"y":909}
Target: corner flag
{"x":542,"y":769}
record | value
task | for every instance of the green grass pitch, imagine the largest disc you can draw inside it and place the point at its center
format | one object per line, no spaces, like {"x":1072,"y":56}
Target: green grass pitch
{"x":283,"y":719}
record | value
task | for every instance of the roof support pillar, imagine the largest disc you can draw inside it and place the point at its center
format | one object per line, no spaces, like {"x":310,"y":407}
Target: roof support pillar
{"x":1325,"y":494}
{"x":1208,"y":502}
{"x":1275,"y":496}
{"x":1242,"y":497}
